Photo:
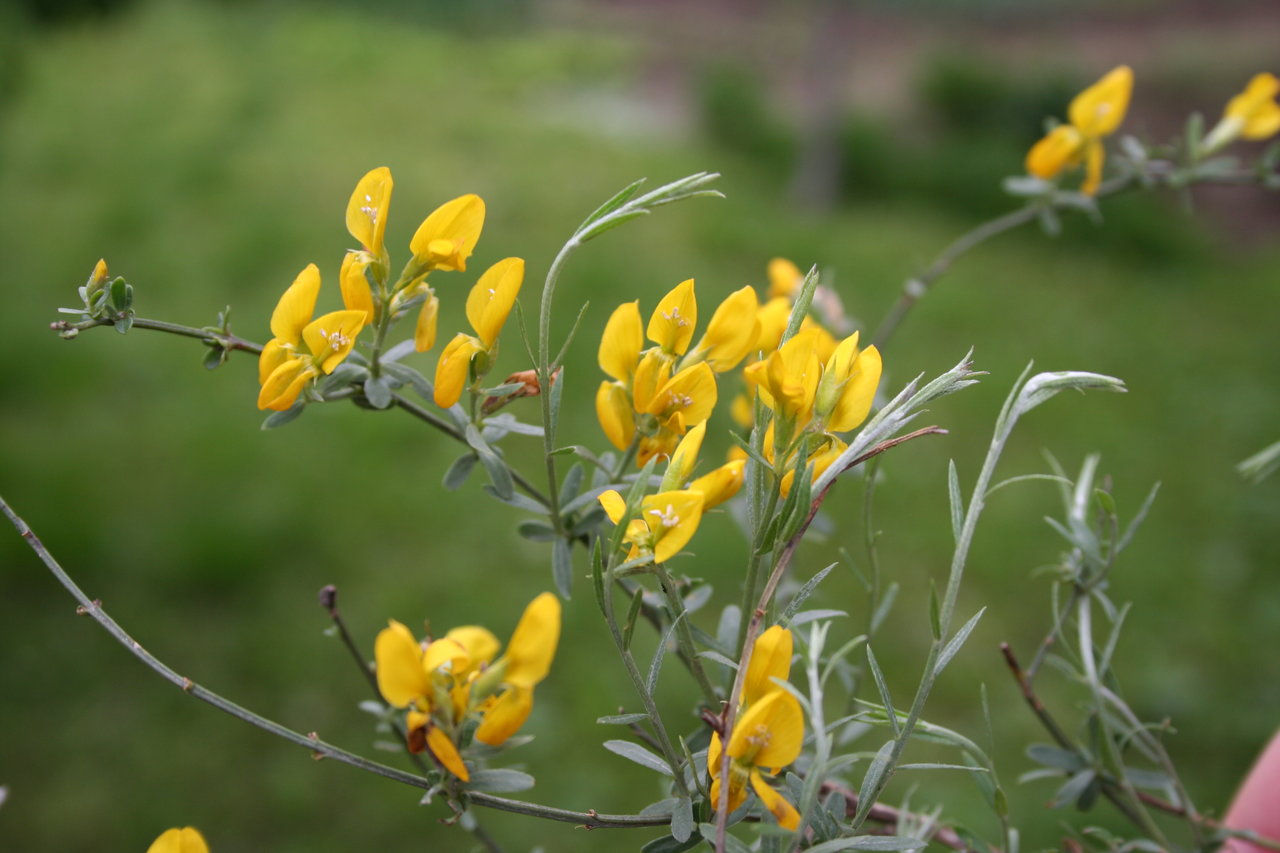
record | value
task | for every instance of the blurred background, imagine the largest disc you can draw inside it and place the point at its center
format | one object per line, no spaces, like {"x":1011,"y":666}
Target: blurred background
{"x":207,"y":150}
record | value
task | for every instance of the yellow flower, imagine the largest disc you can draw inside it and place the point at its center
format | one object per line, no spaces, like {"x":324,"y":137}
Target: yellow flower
{"x":721,"y":484}
{"x":665,"y":524}
{"x":488,"y":305}
{"x":185,"y":840}
{"x":848,"y":385}
{"x":787,"y":380}
{"x":785,"y":279}
{"x":770,"y":659}
{"x":455,"y":676}
{"x":1094,"y":113}
{"x":768,"y":735}
{"x":684,"y":458}
{"x":301,"y":348}
{"x":447,"y":237}
{"x":821,"y":459}
{"x":732,"y":332}
{"x":527,"y":661}
{"x":613,"y":410}
{"x":621,"y":343}
{"x":356,"y":293}
{"x":367,"y":210}
{"x":1252,"y":114}
{"x":671,"y":324}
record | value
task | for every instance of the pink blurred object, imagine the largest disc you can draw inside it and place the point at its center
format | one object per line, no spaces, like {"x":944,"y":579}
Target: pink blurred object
{"x":1257,"y":803}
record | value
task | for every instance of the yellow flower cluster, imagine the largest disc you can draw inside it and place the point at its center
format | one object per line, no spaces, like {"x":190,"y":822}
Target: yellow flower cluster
{"x":1099,"y":110}
{"x":768,"y":733}
{"x":446,"y":681}
{"x":302,"y":349}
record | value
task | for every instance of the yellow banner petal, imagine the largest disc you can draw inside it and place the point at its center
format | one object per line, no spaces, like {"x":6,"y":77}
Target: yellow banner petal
{"x":367,"y":209}
{"x":733,"y":330}
{"x":622,"y":341}
{"x":771,"y":658}
{"x":447,"y":237}
{"x":296,"y":306}
{"x":671,"y":324}
{"x":533,"y":643}
{"x":452,"y":371}
{"x":331,"y":336}
{"x":491,"y":299}
{"x":1099,"y":110}
{"x":398,"y":661}
{"x":356,"y":293}
{"x":505,"y":717}
{"x":185,"y":840}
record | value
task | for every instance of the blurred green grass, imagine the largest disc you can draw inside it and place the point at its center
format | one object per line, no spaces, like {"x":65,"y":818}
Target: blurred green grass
{"x":208,"y":153}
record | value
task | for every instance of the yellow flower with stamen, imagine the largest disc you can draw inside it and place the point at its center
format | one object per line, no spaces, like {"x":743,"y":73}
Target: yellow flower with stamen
{"x":444,"y":681}
{"x":787,"y":380}
{"x":302,"y":349}
{"x":488,"y":305}
{"x":665,"y":523}
{"x":367,"y":211}
{"x":1252,"y":114}
{"x":671,"y":324}
{"x":1094,"y":113}
{"x":185,"y":840}
{"x":767,"y":735}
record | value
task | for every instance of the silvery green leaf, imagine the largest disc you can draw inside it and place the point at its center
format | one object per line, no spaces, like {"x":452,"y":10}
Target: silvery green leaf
{"x":871,"y":782}
{"x":508,"y":423}
{"x":459,"y":471}
{"x":279,"y":419}
{"x":727,"y":627}
{"x":637,"y":753}
{"x":406,"y":375}
{"x":868,"y":842}
{"x":499,"y":780}
{"x":499,"y":474}
{"x":622,"y":720}
{"x":806,"y":616}
{"x":661,"y":807}
{"x":731,"y":844}
{"x":883,"y":687}
{"x":957,"y":640}
{"x":668,"y":844}
{"x":712,"y":655}
{"x":377,"y":391}
{"x":536,"y":531}
{"x":1042,"y":386}
{"x":659,"y":654}
{"x":957,"y":502}
{"x":369,"y":706}
{"x":803,"y":594}
{"x":502,"y":390}
{"x":562,"y":567}
{"x":515,"y":499}
{"x":682,"y":822}
{"x":695,"y":600}
{"x":1074,"y":789}
{"x":398,"y":351}
{"x":620,"y":198}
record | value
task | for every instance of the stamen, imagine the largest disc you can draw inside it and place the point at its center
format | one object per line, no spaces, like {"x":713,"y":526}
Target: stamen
{"x":667,"y":518}
{"x":675,"y":316}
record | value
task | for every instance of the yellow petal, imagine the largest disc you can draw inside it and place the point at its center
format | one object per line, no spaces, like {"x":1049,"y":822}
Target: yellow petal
{"x":285,"y":383}
{"x":1061,"y":148}
{"x":452,"y":370}
{"x":614,"y":505}
{"x":367,"y":209}
{"x":424,"y":333}
{"x":719,"y":485}
{"x":331,"y":337}
{"x":446,"y":753}
{"x":479,"y":643}
{"x":788,"y":379}
{"x":621,"y":343}
{"x":778,"y":806}
{"x":773,"y":317}
{"x":274,"y":354}
{"x":1099,"y":110}
{"x":690,"y":393}
{"x":492,"y":297}
{"x":743,"y":410}
{"x":684,"y":458}
{"x":771,"y":731}
{"x":447,"y":237}
{"x":672,"y":518}
{"x":356,"y":293}
{"x":861,"y":377}
{"x":1255,"y":108}
{"x":398,"y":660}
{"x":98,"y":277}
{"x":785,"y":279}
{"x":652,"y":373}
{"x":185,"y":840}
{"x":771,"y":658}
{"x":733,"y":330}
{"x":1093,"y":157}
{"x":671,"y":324}
{"x":533,"y":643}
{"x":443,"y":651}
{"x":613,"y":410}
{"x":505,"y":717}
{"x":296,"y":306}
{"x":737,"y":777}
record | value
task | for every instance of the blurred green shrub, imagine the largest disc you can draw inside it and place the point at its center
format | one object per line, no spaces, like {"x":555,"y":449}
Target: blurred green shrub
{"x":737,"y":116}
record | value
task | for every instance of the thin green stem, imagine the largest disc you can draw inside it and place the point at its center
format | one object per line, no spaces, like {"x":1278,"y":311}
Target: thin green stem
{"x":545,"y":378}
{"x":209,"y":336}
{"x":750,"y":585}
{"x":312,"y":742}
{"x":684,"y":636}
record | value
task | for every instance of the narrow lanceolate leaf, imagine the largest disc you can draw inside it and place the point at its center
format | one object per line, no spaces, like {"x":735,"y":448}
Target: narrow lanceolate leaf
{"x":279,"y":419}
{"x":956,"y":642}
{"x":377,"y":392}
{"x":562,"y":567}
{"x":869,"y":842}
{"x":957,"y":502}
{"x":875,"y":774}
{"x":637,"y":753}
{"x":804,"y":593}
{"x":495,"y":467}
{"x":621,"y":719}
{"x":499,"y":780}
{"x":884,"y":691}
{"x":633,"y":614}
{"x":659,"y":654}
{"x":620,"y":198}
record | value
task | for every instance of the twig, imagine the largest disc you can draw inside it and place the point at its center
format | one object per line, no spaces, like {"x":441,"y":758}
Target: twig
{"x":311,"y":742}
